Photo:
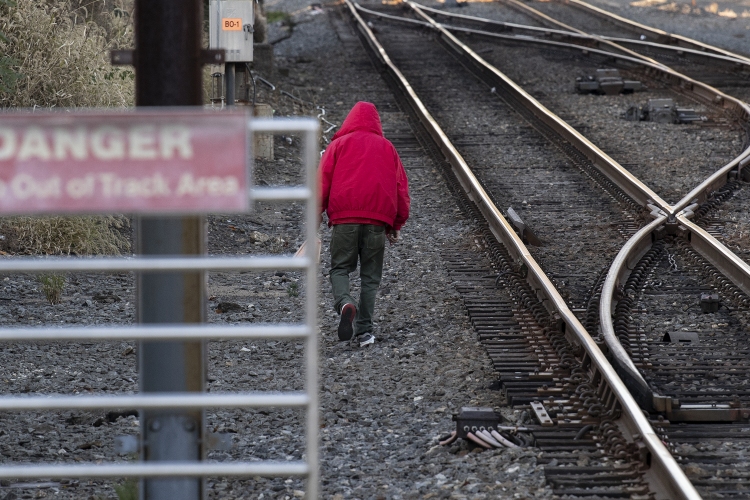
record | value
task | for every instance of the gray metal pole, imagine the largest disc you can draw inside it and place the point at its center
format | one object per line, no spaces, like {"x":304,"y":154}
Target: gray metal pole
{"x":168,"y":73}
{"x":229,"y":74}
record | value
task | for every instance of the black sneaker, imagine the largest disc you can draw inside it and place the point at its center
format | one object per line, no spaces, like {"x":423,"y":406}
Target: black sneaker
{"x":365,"y":339}
{"x":346,"y":324}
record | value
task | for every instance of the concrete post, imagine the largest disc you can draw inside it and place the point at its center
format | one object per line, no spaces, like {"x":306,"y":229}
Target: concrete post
{"x":263,"y":143}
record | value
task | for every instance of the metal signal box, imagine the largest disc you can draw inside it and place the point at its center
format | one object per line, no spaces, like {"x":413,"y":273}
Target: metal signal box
{"x":231,"y":29}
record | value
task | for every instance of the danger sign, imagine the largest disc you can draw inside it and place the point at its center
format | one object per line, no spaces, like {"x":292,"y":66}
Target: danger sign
{"x":128,"y":162}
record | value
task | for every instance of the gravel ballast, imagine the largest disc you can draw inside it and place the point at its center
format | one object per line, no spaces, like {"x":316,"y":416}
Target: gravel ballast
{"x":382,"y":409}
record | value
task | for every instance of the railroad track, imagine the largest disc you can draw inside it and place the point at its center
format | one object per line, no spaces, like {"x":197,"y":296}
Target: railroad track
{"x":533,"y":327}
{"x":536,"y":326}
{"x":712,"y":65}
{"x":565,"y":22}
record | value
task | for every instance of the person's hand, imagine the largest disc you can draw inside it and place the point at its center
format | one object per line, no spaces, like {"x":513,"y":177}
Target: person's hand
{"x":393,"y":235}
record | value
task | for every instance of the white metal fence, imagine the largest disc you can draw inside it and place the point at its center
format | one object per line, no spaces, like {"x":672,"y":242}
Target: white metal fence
{"x":308,"y":128}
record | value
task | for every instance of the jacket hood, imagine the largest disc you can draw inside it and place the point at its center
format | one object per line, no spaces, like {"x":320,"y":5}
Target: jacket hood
{"x":363,"y":116}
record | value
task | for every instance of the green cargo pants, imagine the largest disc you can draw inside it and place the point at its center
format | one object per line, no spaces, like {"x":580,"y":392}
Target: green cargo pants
{"x":349,"y":242}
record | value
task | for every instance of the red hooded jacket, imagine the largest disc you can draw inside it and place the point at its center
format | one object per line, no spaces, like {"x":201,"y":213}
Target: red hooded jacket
{"x":361,"y":176}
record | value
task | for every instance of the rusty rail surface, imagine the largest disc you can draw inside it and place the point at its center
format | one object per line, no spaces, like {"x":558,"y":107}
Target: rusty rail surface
{"x":663,"y":471}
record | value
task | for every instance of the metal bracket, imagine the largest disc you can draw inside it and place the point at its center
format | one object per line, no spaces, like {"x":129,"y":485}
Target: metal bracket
{"x":681,"y":337}
{"x":213,"y":56}
{"x":656,"y":212}
{"x":527,"y":235}
{"x":665,"y":403}
{"x":671,"y":225}
{"x":709,"y":413}
{"x":248,"y":29}
{"x":127,"y":57}
{"x":689,"y":211}
{"x":541,"y":414}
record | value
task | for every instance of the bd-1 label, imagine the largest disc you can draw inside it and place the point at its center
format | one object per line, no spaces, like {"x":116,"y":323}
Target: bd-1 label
{"x":231,"y":24}
{"x":139,"y":162}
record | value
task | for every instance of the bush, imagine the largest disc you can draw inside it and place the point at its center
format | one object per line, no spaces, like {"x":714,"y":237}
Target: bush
{"x":56,"y":53}
{"x":90,"y":235}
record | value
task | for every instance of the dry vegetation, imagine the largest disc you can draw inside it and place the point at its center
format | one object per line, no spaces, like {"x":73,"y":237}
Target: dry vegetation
{"x":59,"y":52}
{"x":55,"y":54}
{"x":89,"y":235}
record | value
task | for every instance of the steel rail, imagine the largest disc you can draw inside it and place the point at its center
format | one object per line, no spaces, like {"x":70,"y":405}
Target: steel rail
{"x":653,"y":33}
{"x":627,"y":257}
{"x":549,"y":21}
{"x":681,"y":83}
{"x":663,"y":469}
{"x":620,"y":176}
{"x":731,"y":63}
{"x":601,"y":41}
{"x":721,"y":257}
{"x":726,"y":261}
{"x":685,"y":84}
{"x":609,"y":43}
{"x":553,"y":34}
{"x":594,"y":41}
{"x":715,"y":181}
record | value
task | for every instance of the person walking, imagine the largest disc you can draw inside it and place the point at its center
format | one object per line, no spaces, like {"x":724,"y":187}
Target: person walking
{"x":365,"y":192}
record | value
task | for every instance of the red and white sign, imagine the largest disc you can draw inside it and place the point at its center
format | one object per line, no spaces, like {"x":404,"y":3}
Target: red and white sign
{"x":154,"y":161}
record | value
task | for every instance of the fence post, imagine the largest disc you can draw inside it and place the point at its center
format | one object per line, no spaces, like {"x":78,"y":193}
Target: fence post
{"x":229,"y":78}
{"x":168,"y":73}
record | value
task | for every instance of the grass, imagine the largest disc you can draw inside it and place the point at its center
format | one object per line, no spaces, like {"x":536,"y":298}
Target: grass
{"x":52,"y":287}
{"x":293,"y":289}
{"x":277,"y":15}
{"x":127,"y":490}
{"x":8,"y":76}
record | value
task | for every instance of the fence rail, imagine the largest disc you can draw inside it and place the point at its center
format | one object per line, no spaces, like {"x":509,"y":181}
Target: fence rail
{"x":307,"y":331}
